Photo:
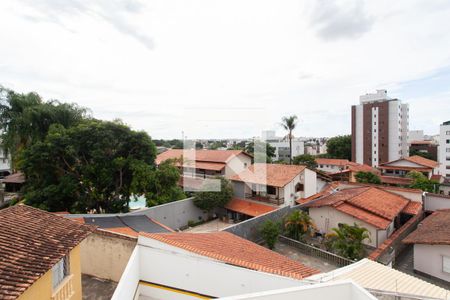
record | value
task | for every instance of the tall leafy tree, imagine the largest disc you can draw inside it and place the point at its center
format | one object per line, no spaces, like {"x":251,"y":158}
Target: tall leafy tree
{"x":261,"y":148}
{"x":26,"y":119}
{"x":305,"y":159}
{"x":94,"y":165}
{"x":340,"y":147}
{"x":421,"y":182}
{"x":289,"y":124}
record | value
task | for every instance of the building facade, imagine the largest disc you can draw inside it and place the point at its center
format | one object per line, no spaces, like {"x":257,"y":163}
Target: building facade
{"x":444,"y":149}
{"x":282,"y":146}
{"x":379,"y":129}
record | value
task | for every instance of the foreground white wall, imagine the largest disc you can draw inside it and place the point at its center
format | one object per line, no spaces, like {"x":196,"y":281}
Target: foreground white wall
{"x":129,"y":281}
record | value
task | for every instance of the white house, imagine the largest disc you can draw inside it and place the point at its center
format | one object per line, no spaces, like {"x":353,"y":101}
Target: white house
{"x":277,"y":184}
{"x":373,"y":208}
{"x":431,"y":242}
{"x":401,"y":167}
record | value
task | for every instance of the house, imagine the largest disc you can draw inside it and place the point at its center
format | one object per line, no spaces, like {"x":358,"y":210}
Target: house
{"x":276,"y":184}
{"x":331,"y":165}
{"x":342,"y":169}
{"x":40,"y":254}
{"x":376,"y":209}
{"x":202,"y":164}
{"x":205,"y":266}
{"x":431,"y":242}
{"x":401,"y":167}
{"x":13,"y":183}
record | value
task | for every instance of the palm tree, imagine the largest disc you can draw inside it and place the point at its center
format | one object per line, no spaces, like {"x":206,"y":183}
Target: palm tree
{"x":289,"y":124}
{"x":347,"y":240}
{"x":297,"y":224}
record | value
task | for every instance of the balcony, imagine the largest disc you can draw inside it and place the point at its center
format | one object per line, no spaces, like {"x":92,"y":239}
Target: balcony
{"x":272,"y":199}
{"x":64,"y":291}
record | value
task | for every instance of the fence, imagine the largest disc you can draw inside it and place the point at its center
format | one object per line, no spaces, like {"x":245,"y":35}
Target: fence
{"x":317,"y":252}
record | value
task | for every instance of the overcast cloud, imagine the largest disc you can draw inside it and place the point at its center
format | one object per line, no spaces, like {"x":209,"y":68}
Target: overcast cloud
{"x":230,"y":68}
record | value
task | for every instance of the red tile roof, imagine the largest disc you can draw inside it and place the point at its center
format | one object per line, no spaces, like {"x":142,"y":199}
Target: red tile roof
{"x":424,"y":163}
{"x":14,"y":178}
{"x":434,"y":230}
{"x":277,"y":175}
{"x":248,"y":208}
{"x":377,"y":203}
{"x":233,"y":250}
{"x":396,"y":180}
{"x":32,"y":241}
{"x":328,"y":190}
{"x":413,"y":208}
{"x":214,"y":156}
{"x":332,"y":161}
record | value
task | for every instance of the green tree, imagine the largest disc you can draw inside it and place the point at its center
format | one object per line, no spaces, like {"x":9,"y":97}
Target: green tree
{"x":297,"y":224}
{"x":421,"y":182}
{"x":426,"y":155}
{"x":259,"y":156}
{"x":270,"y":231}
{"x":340,"y":147}
{"x":210,"y":199}
{"x":367,"y":177}
{"x":305,"y":159}
{"x":347,"y":240}
{"x":289,"y":124}
{"x":94,"y":165}
{"x":26,"y":119}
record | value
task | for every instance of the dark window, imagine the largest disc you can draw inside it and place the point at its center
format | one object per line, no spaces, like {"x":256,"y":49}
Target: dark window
{"x":271,"y":190}
{"x":299,"y":187}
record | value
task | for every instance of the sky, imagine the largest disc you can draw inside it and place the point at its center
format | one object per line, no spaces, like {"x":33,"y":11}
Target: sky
{"x":230,"y":68}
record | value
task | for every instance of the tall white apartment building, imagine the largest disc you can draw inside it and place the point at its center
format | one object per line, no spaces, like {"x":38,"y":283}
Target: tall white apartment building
{"x":379,"y":129}
{"x":444,"y":149}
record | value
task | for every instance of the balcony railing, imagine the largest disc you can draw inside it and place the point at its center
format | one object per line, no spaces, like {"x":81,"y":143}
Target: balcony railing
{"x":267,"y":199}
{"x":65,"y":290}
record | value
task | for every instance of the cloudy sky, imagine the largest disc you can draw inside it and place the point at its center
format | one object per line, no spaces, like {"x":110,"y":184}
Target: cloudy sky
{"x":230,"y":68}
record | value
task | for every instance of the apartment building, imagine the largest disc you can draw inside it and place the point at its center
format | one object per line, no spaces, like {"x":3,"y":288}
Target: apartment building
{"x":379,"y":129}
{"x":282,"y":146}
{"x":444,"y":149}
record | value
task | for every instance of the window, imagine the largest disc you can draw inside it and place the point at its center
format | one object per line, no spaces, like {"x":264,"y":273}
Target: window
{"x":447,"y":150}
{"x":447,"y":133}
{"x":271,"y":190}
{"x":299,"y":187}
{"x":59,"y":271}
{"x":447,"y":141}
{"x":446,"y":264}
{"x":245,"y":165}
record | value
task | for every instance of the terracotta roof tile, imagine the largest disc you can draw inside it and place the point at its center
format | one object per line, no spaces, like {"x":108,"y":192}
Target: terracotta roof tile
{"x":413,"y":208}
{"x":332,"y":161}
{"x":31,"y":242}
{"x":396,"y":180}
{"x":423,"y":161}
{"x":234,"y":250}
{"x":249,"y":208}
{"x":368,"y":204}
{"x":277,"y":175}
{"x":328,"y":190}
{"x":217,"y":156}
{"x":14,"y":178}
{"x":434,"y":230}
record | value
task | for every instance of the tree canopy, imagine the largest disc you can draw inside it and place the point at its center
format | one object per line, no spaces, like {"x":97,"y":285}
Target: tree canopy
{"x":94,"y":165}
{"x":289,"y":124}
{"x":340,"y":147}
{"x":367,"y":177}
{"x":421,"y":182}
{"x":347,"y":240}
{"x":259,"y":155}
{"x":26,"y":119}
{"x":209,"y":199}
{"x":305,"y":159}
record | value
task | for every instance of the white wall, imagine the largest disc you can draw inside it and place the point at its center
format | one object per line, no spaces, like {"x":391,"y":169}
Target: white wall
{"x":171,"y":266}
{"x":329,"y":168}
{"x":129,"y":281}
{"x":428,"y":259}
{"x":310,"y":183}
{"x":321,"y":214}
{"x":433,"y":203}
{"x":237,"y":164}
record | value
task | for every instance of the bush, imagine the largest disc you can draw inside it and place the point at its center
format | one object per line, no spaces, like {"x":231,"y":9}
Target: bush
{"x":208,"y":200}
{"x":270,"y":231}
{"x":367,"y":177}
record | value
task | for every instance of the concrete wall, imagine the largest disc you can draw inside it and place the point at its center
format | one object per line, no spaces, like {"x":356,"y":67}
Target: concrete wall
{"x":327,"y":218}
{"x":174,"y":214}
{"x":250,"y":229}
{"x":428,"y":259}
{"x":129,"y":282}
{"x":105,"y":255}
{"x":239,"y":189}
{"x":435,"y":202}
{"x":310,"y":183}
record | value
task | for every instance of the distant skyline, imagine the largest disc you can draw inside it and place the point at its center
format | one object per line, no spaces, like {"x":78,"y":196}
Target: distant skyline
{"x":230,"y":69}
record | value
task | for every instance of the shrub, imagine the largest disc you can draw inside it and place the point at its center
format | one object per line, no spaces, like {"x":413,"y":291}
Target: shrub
{"x":270,"y":231}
